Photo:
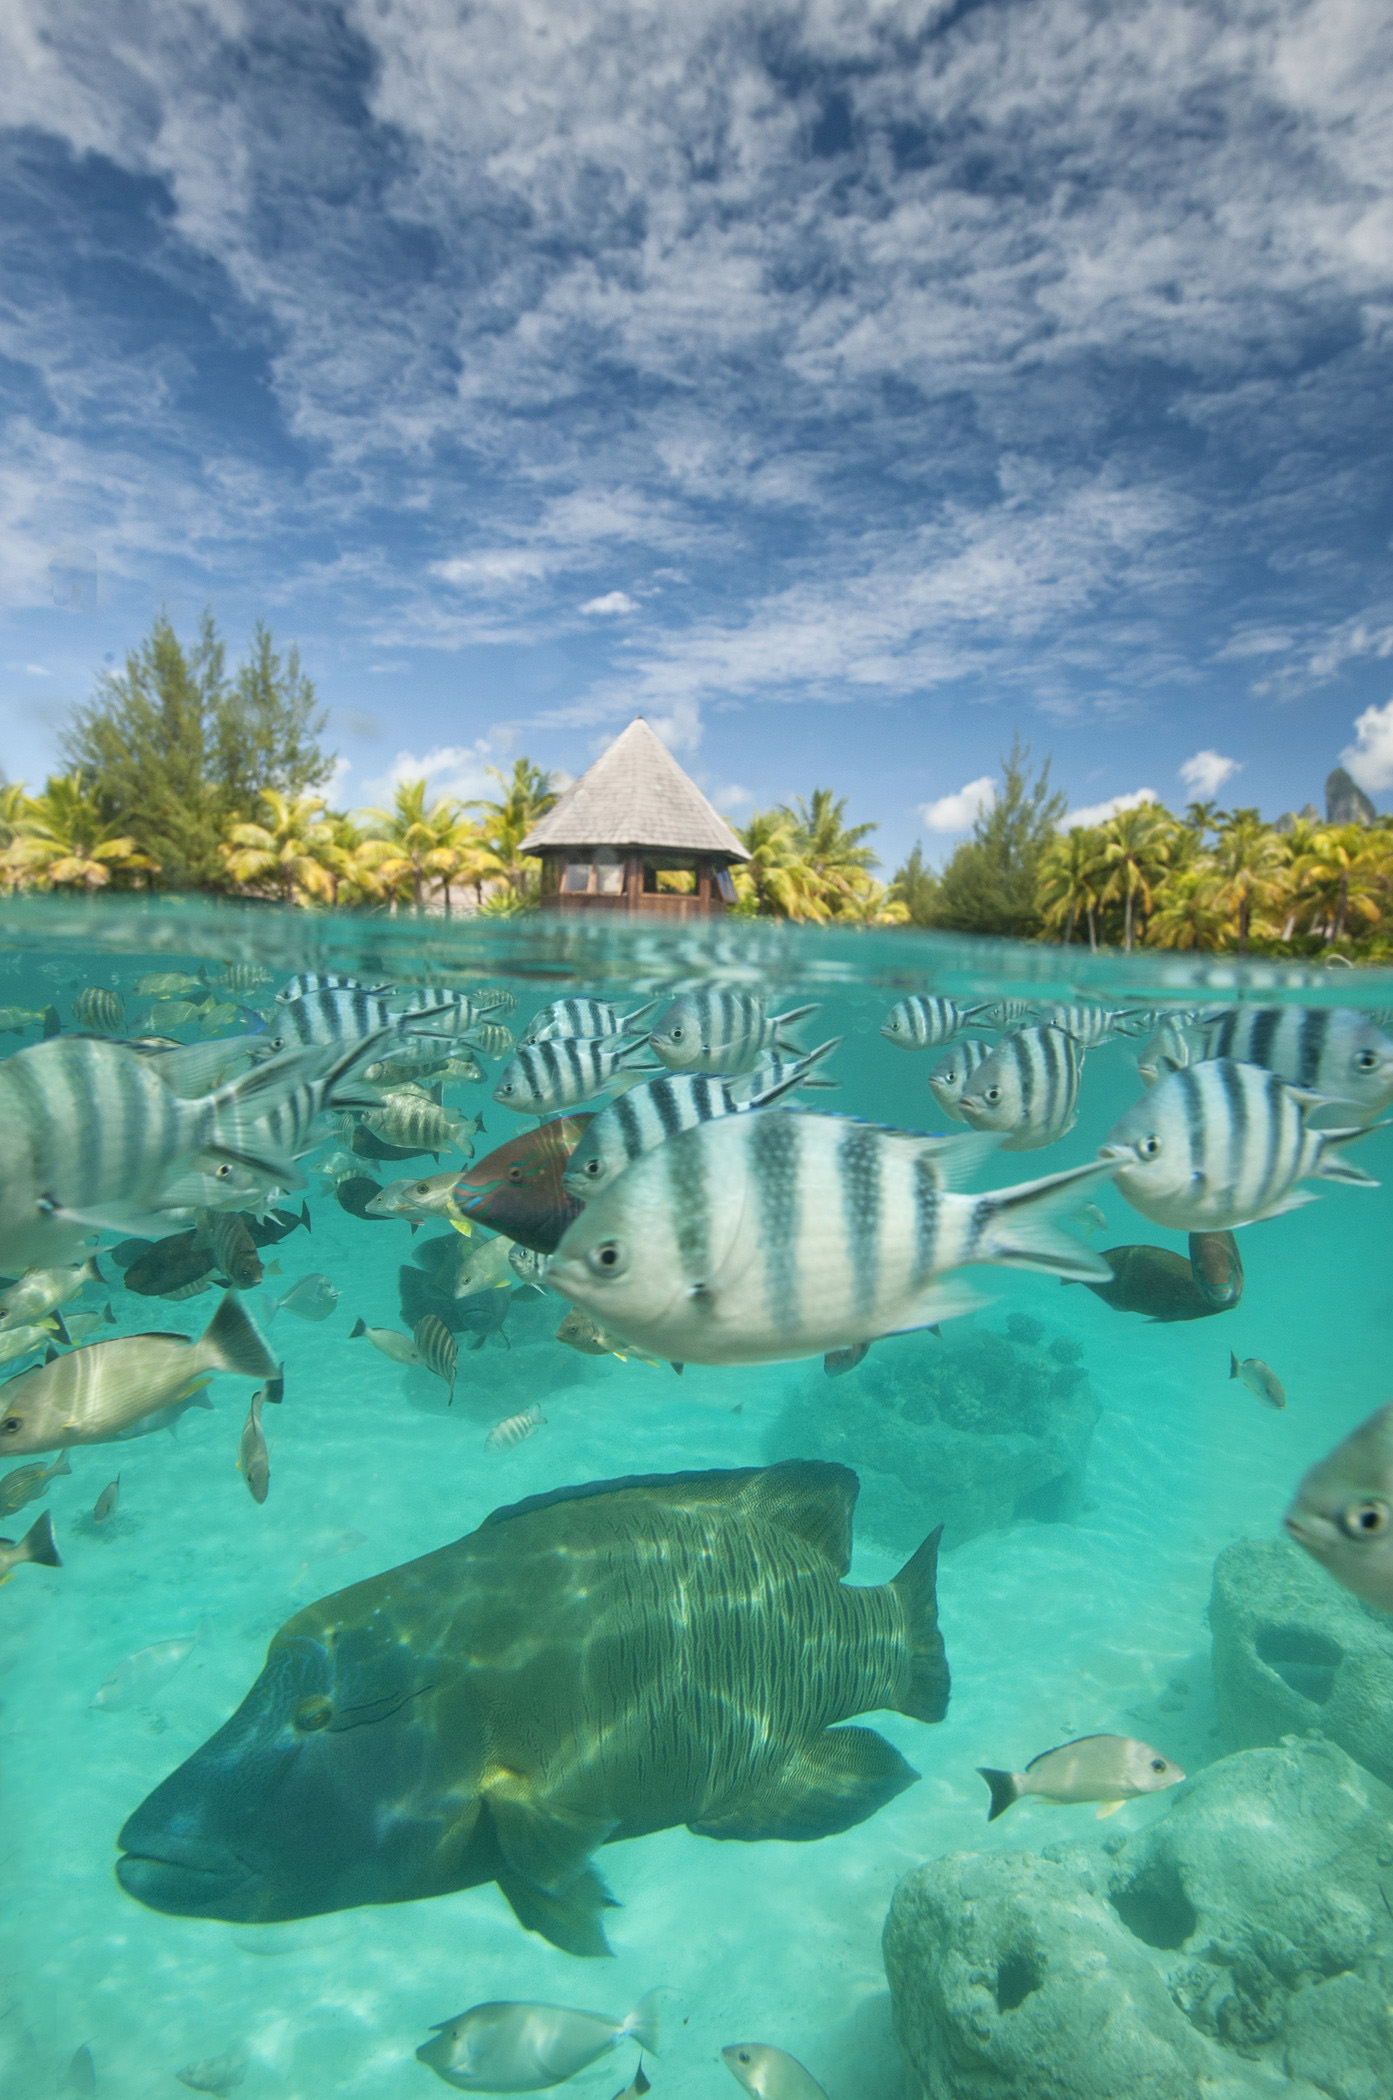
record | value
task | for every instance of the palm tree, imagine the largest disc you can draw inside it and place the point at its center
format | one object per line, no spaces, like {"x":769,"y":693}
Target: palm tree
{"x":1344,"y":876}
{"x":1249,"y":869}
{"x":830,"y":848}
{"x":424,"y":845}
{"x":61,"y":840}
{"x":1188,"y":912}
{"x":525,"y":800}
{"x":1202,"y":817}
{"x":1070,"y":882}
{"x":1136,"y":850}
{"x":777,"y":879}
{"x":294,"y":851}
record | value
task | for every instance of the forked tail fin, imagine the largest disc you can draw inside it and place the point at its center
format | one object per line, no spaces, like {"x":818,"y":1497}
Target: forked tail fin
{"x":1026,"y":1228}
{"x":1004,"y":1788}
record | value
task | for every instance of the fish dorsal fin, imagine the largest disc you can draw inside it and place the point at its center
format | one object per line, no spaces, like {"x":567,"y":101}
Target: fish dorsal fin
{"x":679,"y":1490}
{"x":811,"y":1497}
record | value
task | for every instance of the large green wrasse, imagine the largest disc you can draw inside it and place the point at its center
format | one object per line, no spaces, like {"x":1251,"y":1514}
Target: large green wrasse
{"x":1027,"y":1090}
{"x":1342,"y":1512}
{"x":724,"y":1032}
{"x":593,"y":1664}
{"x":924,"y":1023}
{"x":561,"y":1074}
{"x":92,"y":1394}
{"x":520,"y":1190}
{"x":521,"y":2048}
{"x":1154,"y":1281}
{"x":1336,"y":1051}
{"x":36,"y":1546}
{"x":1109,"y":1769}
{"x":786,"y":1234}
{"x":580,"y":1017}
{"x":1221,"y":1144}
{"x":657,"y":1109}
{"x":770,"y":2074}
{"x":92,"y":1138}
{"x":1217,"y":1267}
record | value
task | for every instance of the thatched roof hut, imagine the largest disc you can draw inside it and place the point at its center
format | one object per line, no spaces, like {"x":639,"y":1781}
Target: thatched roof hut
{"x":635,"y":834}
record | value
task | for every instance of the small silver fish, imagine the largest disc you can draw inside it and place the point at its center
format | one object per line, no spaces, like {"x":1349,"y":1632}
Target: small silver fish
{"x":253,"y":1459}
{"x":923,"y":1023}
{"x":142,"y":1674}
{"x":1028,"y":1090}
{"x":312,"y":1298}
{"x":430,"y":1197}
{"x":39,"y":1291}
{"x":399,"y":1347}
{"x":1110,"y":1769}
{"x":722,"y":1031}
{"x":515,"y":1429}
{"x":108,"y":1501}
{"x":170,"y":984}
{"x":1342,"y":1511}
{"x":524,"y":2048}
{"x":1091,"y":1217}
{"x":1259,"y":1378}
{"x":438,"y":1349}
{"x":27,"y":1483}
{"x":770,"y":2074}
{"x":527,"y":1263}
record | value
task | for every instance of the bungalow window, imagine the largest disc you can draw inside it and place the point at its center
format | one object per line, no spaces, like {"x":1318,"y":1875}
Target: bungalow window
{"x":575,"y":877}
{"x":671,"y":879}
{"x":724,"y":887}
{"x":609,"y":874}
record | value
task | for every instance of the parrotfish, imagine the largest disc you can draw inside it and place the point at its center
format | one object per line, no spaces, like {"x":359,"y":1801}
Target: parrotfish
{"x":517,"y":1189}
{"x":592,"y":1664}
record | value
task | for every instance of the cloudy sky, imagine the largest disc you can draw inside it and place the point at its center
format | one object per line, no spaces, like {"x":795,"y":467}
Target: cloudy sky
{"x":841,"y":384}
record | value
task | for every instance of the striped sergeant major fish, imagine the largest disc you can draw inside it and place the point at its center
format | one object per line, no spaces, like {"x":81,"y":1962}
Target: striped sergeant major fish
{"x":92,"y":1138}
{"x":96,"y":1007}
{"x":1171,"y":1045}
{"x":954,"y":1069}
{"x":779,"y":1066}
{"x":329,"y":1080}
{"x":1028,"y":1090}
{"x":1335,"y":1050}
{"x":722,"y":1032}
{"x":757,"y":1238}
{"x":1006,"y":1013}
{"x":307,"y":982}
{"x":649,"y":1114}
{"x":579,"y":1017}
{"x":1088,"y":1025}
{"x":1222,"y":1144}
{"x":922,"y":1023}
{"x":556,"y":1075}
{"x":338,"y":1015}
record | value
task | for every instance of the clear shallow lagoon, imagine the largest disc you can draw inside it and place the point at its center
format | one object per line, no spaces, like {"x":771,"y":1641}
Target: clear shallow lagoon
{"x":1054,"y":1629}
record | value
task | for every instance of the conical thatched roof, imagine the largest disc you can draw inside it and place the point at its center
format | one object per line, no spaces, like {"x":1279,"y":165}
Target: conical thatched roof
{"x":635,"y":794}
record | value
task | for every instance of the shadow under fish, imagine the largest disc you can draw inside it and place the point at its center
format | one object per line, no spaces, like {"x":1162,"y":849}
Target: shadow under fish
{"x":1164,"y":1287}
{"x":488,"y":1712}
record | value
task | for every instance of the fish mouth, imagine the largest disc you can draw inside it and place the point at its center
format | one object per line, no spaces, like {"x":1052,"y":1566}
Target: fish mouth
{"x":189,"y":1881}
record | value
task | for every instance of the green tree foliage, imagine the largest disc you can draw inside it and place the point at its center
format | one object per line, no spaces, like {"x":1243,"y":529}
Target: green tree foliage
{"x":916,"y":888}
{"x":172,"y":749}
{"x":989,"y":885}
{"x":505,"y":822}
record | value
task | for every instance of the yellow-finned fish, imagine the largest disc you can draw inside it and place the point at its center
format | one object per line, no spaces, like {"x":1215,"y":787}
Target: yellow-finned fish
{"x":1111,"y":1769}
{"x":39,"y":1291}
{"x":27,"y":1483}
{"x":95,"y":1392}
{"x":485,"y":1268}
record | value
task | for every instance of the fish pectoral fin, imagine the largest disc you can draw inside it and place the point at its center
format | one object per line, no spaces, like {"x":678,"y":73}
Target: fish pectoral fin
{"x":548,"y":1845}
{"x":840,"y":1778}
{"x":1109,"y":1808}
{"x":570,"y":1920}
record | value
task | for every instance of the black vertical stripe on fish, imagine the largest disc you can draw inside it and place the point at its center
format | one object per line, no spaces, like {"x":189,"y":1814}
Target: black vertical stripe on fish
{"x":774,"y":1148}
{"x":1196,"y":1130}
{"x":1313,"y":1033}
{"x":1263,"y":1028}
{"x":1240,"y":1128}
{"x":859,"y":1176}
{"x":691,"y":1209}
{"x":926,"y":1218}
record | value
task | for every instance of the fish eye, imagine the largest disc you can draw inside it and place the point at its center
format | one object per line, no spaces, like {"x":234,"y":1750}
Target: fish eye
{"x":608,"y":1259}
{"x":1149,"y":1146}
{"x":591,"y":1167}
{"x":993,"y":1094}
{"x":1367,"y":1060}
{"x":312,"y":1714}
{"x":1365,"y":1520}
{"x":515,"y":1174}
{"x":675,"y":1035}
{"x":508,"y":1089}
{"x":744,"y":2055}
{"x":1158,"y":1764}
{"x":422,"y":1188}
{"x":10,"y":1425}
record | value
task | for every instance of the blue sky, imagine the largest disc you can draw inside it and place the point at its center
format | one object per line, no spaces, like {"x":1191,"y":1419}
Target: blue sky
{"x":842,"y":385}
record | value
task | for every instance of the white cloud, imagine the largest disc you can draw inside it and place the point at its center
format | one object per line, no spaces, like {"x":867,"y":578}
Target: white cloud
{"x":498,"y":569}
{"x":38,"y":670}
{"x":1370,"y":758}
{"x":449,"y":769}
{"x":335,"y":788}
{"x":1206,"y":772}
{"x":1099,"y":812}
{"x":612,"y":602}
{"x":960,"y":812}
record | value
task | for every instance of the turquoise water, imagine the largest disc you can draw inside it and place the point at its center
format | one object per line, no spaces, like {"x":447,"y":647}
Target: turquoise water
{"x":1082,"y":1613}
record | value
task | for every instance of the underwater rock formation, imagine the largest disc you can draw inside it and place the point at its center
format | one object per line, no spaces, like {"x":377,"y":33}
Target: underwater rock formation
{"x":1296,"y":1654}
{"x":975,"y":1430}
{"x":1239,"y":1946}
